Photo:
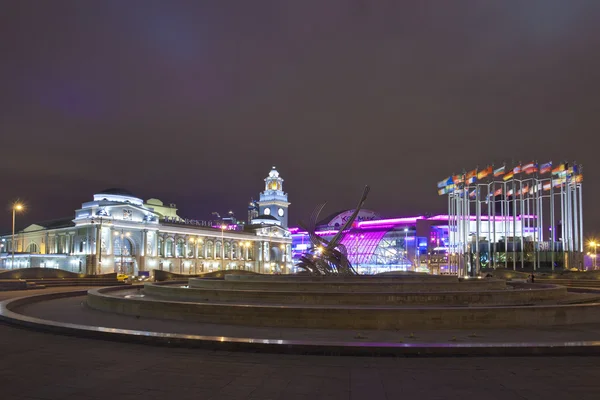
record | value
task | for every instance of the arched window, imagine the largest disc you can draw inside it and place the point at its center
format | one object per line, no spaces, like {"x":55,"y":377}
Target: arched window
{"x":180,"y":248}
{"x":32,"y":248}
{"x":200,"y":244}
{"x":123,"y":246}
{"x":191,"y":247}
{"x":250,"y":255}
{"x":218,"y":249}
{"x":161,"y":247}
{"x":234,"y":251}
{"x":227,"y":249}
{"x":169,"y":247}
{"x":210,"y":249}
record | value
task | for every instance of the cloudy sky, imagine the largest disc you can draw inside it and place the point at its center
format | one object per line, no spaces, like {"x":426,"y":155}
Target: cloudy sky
{"x":194,"y":101}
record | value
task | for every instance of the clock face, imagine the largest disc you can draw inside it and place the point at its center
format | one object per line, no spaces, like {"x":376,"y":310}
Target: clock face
{"x":267,"y":211}
{"x":280,"y":212}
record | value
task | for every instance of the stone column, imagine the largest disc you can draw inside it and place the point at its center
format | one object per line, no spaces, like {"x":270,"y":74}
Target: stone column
{"x":46,"y":244}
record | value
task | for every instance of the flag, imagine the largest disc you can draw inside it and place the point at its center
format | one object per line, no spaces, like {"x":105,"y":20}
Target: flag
{"x":525,"y":189}
{"x":471,"y":180}
{"x":472,"y":194}
{"x":559,"y":169}
{"x":508,"y":176}
{"x":558,"y":182}
{"x":458,"y":179}
{"x":498,"y":192}
{"x":509,"y":193}
{"x":445,"y":182}
{"x":485,"y":172}
{"x":578,"y":178}
{"x":530,"y":168}
{"x":545,"y":168}
{"x":517,"y":169}
{"x":442,"y":191}
{"x":499,"y":171}
{"x":547,"y":186}
{"x":471,"y":174}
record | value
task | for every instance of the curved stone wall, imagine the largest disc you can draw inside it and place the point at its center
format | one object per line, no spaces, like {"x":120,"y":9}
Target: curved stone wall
{"x":355,"y":317}
{"x":382,"y":296}
{"x":350,"y":285}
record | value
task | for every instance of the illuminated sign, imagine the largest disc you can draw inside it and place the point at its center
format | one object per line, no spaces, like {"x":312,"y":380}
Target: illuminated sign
{"x":195,"y":222}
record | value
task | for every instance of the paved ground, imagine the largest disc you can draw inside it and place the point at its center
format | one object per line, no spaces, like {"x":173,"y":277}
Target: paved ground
{"x":44,"y":366}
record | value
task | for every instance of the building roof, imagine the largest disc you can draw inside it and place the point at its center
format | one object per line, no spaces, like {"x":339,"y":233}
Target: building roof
{"x":57,"y":223}
{"x":117,"y":191}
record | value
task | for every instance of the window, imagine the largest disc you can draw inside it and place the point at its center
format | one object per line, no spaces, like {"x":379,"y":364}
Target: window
{"x":234,"y":249}
{"x":180,"y":248}
{"x":227,"y":249}
{"x":210,"y":249}
{"x":218,"y":250}
{"x":161,"y":247}
{"x":123,"y":247}
{"x":169,"y":247}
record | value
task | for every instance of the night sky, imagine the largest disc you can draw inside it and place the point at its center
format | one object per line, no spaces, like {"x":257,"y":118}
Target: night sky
{"x":194,"y":101}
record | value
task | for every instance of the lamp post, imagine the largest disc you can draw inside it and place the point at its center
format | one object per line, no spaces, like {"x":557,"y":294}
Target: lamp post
{"x":282,"y":247}
{"x":595,"y":246}
{"x":16,"y":207}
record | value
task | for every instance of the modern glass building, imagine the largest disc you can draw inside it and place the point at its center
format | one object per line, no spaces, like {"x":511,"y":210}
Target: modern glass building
{"x":418,"y":243}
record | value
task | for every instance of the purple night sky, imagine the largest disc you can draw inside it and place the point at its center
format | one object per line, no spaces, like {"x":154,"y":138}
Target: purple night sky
{"x":194,"y":101}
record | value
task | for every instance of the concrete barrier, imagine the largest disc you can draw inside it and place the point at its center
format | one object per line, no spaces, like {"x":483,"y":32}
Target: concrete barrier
{"x":345,"y":317}
{"x":537,"y":293}
{"x":388,"y":285}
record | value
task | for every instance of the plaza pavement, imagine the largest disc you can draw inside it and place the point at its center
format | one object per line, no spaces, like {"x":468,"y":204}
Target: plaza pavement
{"x":45,"y":366}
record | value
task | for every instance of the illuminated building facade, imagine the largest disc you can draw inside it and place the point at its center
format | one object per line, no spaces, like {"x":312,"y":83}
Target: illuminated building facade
{"x":407,"y":244}
{"x":118,"y":232}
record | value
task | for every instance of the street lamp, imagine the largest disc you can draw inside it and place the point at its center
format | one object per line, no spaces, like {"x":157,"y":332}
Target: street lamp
{"x":15,"y":207}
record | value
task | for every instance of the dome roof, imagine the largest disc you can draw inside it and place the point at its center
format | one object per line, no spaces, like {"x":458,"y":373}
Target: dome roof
{"x":273,"y":173}
{"x":118,"y":192}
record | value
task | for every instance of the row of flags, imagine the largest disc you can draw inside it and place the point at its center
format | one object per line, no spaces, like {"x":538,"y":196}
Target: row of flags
{"x":562,"y":173}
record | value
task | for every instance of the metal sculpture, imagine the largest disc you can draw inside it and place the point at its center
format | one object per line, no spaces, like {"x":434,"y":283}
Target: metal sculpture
{"x":328,"y":257}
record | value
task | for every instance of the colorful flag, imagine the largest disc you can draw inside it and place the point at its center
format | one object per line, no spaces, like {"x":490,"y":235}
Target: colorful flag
{"x":471,"y":174}
{"x":545,"y":168}
{"x":525,"y":189}
{"x":458,"y":179}
{"x":509,"y":193}
{"x":485,"y":172}
{"x":445,"y":182}
{"x":558,"y":182}
{"x":517,"y":169}
{"x":508,"y":176}
{"x":547,"y":186}
{"x":530,"y":168}
{"x":559,"y":169}
{"x":472,"y":194}
{"x":498,"y":192}
{"x":471,"y":180}
{"x":499,"y":171}
{"x":577,"y":178}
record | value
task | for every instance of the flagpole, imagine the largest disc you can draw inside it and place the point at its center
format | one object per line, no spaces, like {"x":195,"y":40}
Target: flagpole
{"x":581,"y":244}
{"x":489,"y":234}
{"x":504,"y":210}
{"x":552,"y":221}
{"x":540,"y":209}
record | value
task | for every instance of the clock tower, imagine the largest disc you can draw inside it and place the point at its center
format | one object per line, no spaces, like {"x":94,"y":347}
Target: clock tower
{"x":273,"y":201}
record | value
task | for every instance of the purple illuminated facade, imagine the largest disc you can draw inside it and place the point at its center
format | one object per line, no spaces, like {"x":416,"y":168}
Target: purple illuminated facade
{"x":377,"y":244}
